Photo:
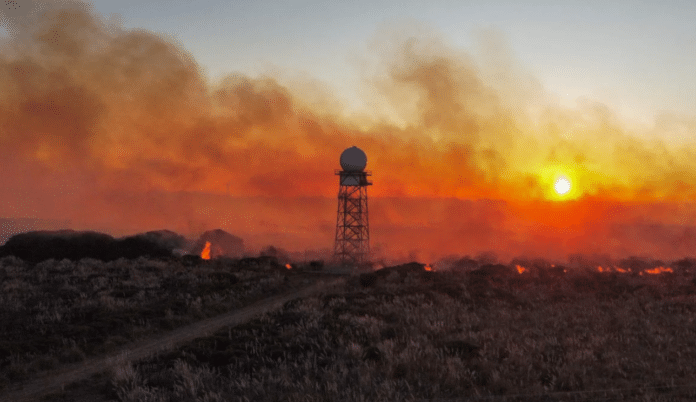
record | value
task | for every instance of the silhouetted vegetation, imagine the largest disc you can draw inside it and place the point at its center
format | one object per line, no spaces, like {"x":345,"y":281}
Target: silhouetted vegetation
{"x":403,"y":333}
{"x":513,"y":332}
{"x":223,"y":244}
{"x":61,"y":311}
{"x":68,"y":244}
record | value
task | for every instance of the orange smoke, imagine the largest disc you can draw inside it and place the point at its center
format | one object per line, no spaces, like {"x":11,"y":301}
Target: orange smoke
{"x":205,"y":254}
{"x":119,"y":131}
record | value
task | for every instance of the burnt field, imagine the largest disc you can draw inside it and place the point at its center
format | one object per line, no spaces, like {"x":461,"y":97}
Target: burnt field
{"x":519,"y":332}
{"x":58,"y":312}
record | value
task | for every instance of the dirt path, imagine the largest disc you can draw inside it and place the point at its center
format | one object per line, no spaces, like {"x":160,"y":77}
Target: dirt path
{"x":53,"y":381}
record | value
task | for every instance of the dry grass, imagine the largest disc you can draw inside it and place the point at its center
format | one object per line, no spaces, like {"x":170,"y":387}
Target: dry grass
{"x":444,"y":336}
{"x":60,"y":312}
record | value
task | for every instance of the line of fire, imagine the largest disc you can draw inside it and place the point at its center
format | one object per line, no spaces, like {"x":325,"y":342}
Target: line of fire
{"x":351,"y":252}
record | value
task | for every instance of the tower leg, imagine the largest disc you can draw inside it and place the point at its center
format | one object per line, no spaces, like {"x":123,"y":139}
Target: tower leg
{"x":352,"y":242}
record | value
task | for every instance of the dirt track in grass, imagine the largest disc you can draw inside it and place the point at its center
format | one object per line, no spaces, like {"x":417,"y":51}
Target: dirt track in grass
{"x":54,"y":381}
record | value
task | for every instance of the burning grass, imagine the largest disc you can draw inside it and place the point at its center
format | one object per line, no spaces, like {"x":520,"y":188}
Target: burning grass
{"x":407,"y":334}
{"x":59,"y":312}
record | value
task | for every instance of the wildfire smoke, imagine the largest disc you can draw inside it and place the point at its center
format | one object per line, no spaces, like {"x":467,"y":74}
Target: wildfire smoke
{"x":119,"y":130}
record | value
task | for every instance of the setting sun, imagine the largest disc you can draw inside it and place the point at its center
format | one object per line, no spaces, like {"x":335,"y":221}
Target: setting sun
{"x":562,"y":185}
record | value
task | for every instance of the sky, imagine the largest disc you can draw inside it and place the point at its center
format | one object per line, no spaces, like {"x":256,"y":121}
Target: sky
{"x":142,"y":115}
{"x":638,"y":57}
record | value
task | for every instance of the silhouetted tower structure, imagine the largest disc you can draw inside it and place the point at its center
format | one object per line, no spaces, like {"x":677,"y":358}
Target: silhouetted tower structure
{"x":352,"y":246}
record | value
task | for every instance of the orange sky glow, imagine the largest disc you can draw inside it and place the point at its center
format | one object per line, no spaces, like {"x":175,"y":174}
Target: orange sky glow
{"x":117,"y":130}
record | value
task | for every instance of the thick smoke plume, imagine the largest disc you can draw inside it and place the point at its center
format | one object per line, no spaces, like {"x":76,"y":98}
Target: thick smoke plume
{"x":120,"y":131}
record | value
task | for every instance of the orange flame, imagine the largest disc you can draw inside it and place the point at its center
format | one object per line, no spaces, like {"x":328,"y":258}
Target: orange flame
{"x":613,"y":269}
{"x":205,"y":254}
{"x":288,"y":266}
{"x":428,"y":267}
{"x":659,"y":270}
{"x":520,"y":268}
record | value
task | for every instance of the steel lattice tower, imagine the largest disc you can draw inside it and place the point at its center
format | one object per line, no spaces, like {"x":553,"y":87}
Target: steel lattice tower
{"x":352,"y":245}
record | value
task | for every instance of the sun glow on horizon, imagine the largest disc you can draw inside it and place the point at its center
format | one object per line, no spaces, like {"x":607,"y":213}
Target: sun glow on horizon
{"x":558,"y":182}
{"x":562,"y":185}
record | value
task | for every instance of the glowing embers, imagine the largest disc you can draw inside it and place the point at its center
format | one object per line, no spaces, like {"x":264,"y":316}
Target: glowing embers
{"x":288,"y":266}
{"x":427,"y":267}
{"x":205,"y":254}
{"x":658,"y":270}
{"x":521,"y":269}
{"x":613,"y":269}
{"x":652,"y":271}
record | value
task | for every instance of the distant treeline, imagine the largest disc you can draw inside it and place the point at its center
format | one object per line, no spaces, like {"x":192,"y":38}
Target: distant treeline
{"x":42,"y":245}
{"x":12,"y":226}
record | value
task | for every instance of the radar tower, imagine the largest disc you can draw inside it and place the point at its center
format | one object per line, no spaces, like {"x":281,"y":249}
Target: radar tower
{"x":352,"y":246}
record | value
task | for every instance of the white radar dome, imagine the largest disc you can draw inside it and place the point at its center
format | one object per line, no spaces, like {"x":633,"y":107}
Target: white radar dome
{"x":353,"y":159}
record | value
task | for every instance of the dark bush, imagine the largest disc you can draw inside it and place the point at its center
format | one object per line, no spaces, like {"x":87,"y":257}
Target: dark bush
{"x":124,"y":292}
{"x":372,"y":353}
{"x":275,"y":353}
{"x":221,"y":244}
{"x":388,"y":333}
{"x":223,"y":358}
{"x":225,"y":277}
{"x":685,"y":263}
{"x":493,"y":271}
{"x":43,"y":245}
{"x":400,"y":371}
{"x":73,"y":355}
{"x":281,"y":255}
{"x":258,"y":262}
{"x":316,"y":265}
{"x":462,"y":349}
{"x":403,"y":269}
{"x":140,"y":246}
{"x":191,"y":260}
{"x":556,"y":272}
{"x":288,"y":318}
{"x":165,"y":238}
{"x":368,"y":279}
